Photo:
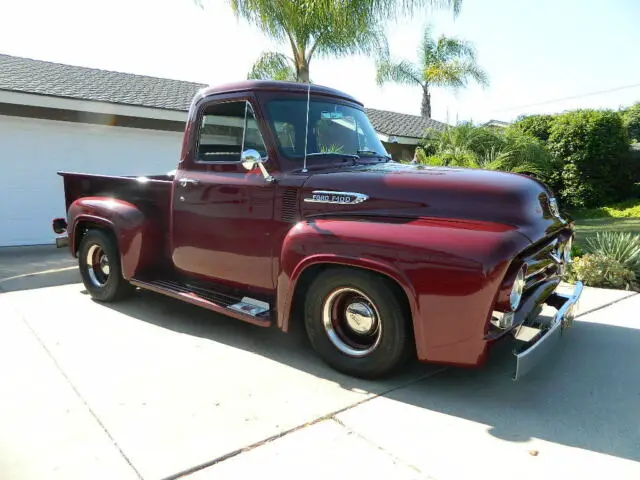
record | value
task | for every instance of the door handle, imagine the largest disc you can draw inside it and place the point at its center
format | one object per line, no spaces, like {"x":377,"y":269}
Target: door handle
{"x":188,"y":181}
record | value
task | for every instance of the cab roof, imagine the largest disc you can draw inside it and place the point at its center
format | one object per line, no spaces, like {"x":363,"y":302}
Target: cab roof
{"x":275,"y":86}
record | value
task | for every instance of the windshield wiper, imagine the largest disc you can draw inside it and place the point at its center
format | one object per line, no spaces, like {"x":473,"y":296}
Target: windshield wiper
{"x":373,"y":153}
{"x":346,"y":155}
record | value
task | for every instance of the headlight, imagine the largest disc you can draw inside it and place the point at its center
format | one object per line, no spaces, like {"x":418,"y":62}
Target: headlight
{"x":517,"y":290}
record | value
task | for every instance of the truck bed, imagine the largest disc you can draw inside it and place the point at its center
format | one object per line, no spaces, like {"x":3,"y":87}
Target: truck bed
{"x":152,"y":194}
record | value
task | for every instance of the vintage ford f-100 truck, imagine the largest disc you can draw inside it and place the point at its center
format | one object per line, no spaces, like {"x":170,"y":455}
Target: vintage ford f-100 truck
{"x":285,"y":207}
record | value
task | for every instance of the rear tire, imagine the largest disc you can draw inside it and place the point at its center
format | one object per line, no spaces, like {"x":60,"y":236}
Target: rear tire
{"x":356,"y":323}
{"x":99,"y":262}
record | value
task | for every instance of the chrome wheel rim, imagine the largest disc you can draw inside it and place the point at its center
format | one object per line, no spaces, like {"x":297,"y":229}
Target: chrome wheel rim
{"x":352,"y":322}
{"x":98,"y":267}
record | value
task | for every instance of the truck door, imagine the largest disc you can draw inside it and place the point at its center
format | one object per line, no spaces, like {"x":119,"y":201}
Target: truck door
{"x":223,"y":215}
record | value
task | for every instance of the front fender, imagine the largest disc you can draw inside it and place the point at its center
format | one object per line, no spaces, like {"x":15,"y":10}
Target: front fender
{"x":136,"y":236}
{"x":450,"y":271}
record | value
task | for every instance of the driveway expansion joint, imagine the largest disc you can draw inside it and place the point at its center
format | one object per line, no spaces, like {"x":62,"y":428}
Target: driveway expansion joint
{"x":329,"y":416}
{"x":82,"y":399}
{"x":613,"y":302}
{"x":396,"y":459}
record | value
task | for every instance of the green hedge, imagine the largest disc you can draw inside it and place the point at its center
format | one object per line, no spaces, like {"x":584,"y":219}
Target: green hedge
{"x":631,"y":119}
{"x":538,"y":126}
{"x":592,"y":150}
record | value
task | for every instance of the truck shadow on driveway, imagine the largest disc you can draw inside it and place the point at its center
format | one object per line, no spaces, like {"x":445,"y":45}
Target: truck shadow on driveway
{"x":587,"y":395}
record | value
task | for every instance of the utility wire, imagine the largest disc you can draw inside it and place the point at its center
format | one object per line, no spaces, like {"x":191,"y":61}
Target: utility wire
{"x":573,"y":97}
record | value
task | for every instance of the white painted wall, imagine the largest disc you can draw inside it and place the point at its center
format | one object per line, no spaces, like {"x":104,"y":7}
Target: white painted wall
{"x":33,"y":150}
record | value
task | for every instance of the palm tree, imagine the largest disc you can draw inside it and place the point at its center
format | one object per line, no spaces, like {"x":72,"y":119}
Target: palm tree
{"x":444,"y":62}
{"x":327,"y":28}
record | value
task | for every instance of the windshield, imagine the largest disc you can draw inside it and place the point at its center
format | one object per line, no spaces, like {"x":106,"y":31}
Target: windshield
{"x":334,"y":128}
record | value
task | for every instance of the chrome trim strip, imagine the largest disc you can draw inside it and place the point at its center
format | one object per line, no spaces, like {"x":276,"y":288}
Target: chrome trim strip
{"x":529,"y":358}
{"x":337,"y":198}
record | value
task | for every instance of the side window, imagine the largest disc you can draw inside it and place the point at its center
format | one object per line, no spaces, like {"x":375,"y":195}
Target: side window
{"x":224,"y":128}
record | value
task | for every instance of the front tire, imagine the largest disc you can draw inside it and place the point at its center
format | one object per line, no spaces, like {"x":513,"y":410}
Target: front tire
{"x":99,"y":262}
{"x":356,"y":323}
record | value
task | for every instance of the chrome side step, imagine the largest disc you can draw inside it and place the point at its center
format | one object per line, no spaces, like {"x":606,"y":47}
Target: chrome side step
{"x":245,"y":308}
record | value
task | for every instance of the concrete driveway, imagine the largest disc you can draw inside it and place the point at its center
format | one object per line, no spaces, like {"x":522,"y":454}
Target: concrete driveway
{"x":152,"y":388}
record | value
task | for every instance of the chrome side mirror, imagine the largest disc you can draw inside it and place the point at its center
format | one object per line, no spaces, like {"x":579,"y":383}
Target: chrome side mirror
{"x":250,"y":158}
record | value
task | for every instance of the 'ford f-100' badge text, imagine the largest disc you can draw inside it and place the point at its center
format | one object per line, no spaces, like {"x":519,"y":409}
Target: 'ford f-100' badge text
{"x":340,"y":198}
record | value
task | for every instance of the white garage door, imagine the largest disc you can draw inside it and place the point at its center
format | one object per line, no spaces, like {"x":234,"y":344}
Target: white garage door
{"x":32,"y":151}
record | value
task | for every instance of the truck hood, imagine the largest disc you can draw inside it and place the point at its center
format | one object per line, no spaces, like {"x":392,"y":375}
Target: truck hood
{"x":416,"y":191}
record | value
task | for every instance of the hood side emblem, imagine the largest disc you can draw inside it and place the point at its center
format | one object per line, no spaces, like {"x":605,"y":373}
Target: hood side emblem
{"x":338,"y":198}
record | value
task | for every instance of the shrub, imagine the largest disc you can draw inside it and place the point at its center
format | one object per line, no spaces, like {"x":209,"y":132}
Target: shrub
{"x":481,"y":147}
{"x":538,"y":126}
{"x":576,"y":251}
{"x":592,"y":148}
{"x":619,"y":247}
{"x":631,"y":119}
{"x":600,"y":271}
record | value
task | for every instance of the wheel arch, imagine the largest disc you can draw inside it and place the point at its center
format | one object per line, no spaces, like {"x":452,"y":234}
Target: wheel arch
{"x":291,"y":302}
{"x":135,"y":235}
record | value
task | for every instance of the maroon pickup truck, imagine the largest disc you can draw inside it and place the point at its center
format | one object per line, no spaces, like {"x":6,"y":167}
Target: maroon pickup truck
{"x":285,"y":208}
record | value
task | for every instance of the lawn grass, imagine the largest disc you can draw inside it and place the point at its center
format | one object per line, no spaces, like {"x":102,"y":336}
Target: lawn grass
{"x":586,"y":227}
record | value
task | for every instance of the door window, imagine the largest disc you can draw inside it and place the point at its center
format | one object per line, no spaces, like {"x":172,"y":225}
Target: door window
{"x":226,"y":129}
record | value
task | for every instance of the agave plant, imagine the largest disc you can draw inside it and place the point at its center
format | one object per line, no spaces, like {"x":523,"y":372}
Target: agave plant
{"x":622,"y":247}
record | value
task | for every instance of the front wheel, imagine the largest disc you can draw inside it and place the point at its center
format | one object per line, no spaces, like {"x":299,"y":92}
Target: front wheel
{"x":99,"y":261}
{"x":356,"y":323}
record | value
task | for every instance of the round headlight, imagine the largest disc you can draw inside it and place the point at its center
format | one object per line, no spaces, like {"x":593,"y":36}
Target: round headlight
{"x":517,"y":290}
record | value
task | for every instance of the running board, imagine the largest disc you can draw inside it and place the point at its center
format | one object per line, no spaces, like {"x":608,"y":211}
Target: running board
{"x":243,"y":308}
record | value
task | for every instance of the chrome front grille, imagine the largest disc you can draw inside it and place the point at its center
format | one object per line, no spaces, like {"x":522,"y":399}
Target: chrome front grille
{"x":548,"y":261}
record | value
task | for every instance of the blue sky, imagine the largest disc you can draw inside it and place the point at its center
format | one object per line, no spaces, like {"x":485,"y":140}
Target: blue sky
{"x":534,"y":51}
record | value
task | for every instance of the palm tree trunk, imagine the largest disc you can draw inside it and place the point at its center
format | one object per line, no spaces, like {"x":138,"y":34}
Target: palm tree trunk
{"x":302,"y":70}
{"x":425,"y":109}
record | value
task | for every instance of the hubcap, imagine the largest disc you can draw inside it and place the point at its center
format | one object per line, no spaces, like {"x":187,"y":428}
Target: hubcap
{"x":360,"y":317}
{"x":352,"y":322}
{"x":98,"y":267}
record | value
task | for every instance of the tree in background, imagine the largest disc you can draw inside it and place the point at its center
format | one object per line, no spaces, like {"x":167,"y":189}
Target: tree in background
{"x":446,"y":62}
{"x":327,"y":28}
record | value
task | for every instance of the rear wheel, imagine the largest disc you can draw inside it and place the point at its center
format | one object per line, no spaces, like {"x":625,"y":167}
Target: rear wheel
{"x":99,"y":261}
{"x":356,"y":323}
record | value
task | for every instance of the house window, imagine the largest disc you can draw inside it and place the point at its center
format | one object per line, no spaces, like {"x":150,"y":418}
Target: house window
{"x":226,"y":129}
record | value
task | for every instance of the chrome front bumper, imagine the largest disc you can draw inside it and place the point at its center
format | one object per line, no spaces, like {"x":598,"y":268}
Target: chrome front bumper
{"x":541,"y":336}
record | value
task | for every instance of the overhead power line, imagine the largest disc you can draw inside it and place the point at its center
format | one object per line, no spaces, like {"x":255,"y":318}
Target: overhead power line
{"x":573,"y":97}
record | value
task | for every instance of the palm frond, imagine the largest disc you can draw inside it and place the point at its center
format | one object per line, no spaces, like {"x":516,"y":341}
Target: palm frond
{"x":273,"y":66}
{"x":452,"y":48}
{"x":402,"y":72}
{"x":455,"y":74}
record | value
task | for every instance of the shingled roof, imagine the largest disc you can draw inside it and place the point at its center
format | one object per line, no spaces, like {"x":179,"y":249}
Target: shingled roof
{"x":402,"y":124}
{"x":47,"y":78}
{"x":26,"y":75}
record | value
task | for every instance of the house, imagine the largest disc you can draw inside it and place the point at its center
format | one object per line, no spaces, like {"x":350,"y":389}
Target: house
{"x":62,"y":117}
{"x":496,"y":124}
